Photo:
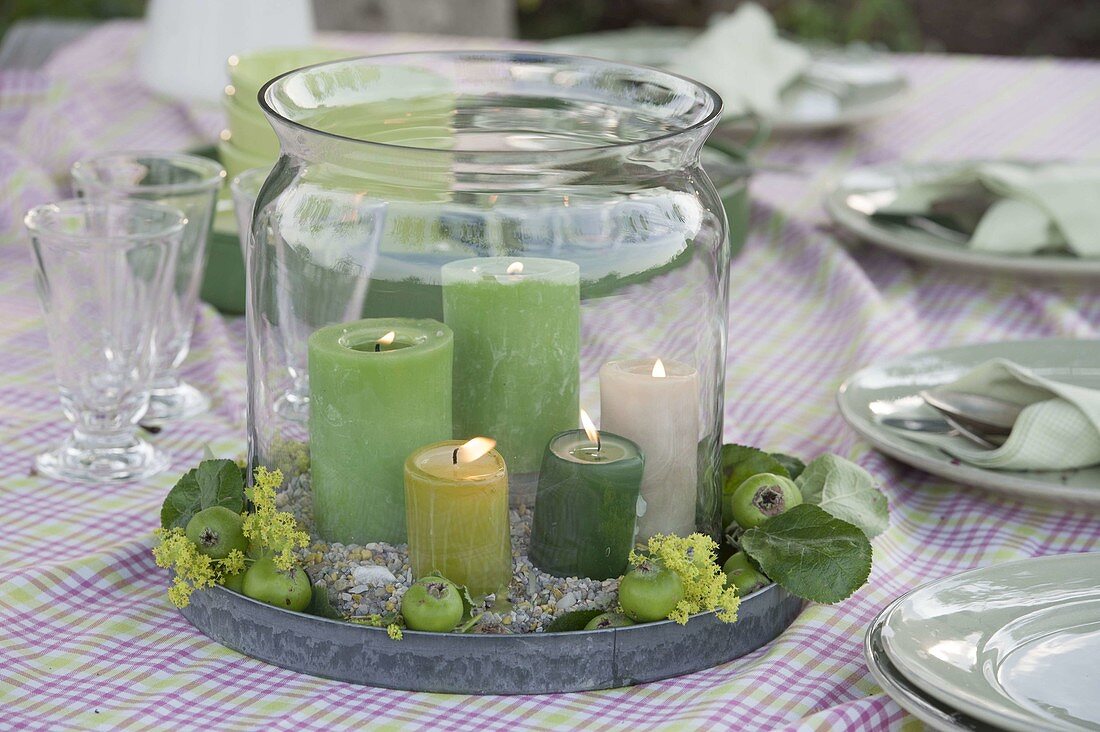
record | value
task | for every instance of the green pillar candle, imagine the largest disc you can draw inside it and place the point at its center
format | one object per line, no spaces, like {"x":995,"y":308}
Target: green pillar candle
{"x":586,"y":508}
{"x":457,"y":499}
{"x":373,"y":401}
{"x":517,"y":351}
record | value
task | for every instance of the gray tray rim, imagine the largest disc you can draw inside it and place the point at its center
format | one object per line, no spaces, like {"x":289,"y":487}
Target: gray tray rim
{"x":533,"y":663}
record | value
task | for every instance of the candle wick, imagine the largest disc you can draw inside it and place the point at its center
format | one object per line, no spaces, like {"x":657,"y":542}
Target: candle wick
{"x":454,"y":457}
{"x":599,"y":443}
{"x":377,"y":347}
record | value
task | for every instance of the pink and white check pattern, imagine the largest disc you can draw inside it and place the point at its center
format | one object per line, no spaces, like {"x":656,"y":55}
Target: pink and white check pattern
{"x":89,"y":640}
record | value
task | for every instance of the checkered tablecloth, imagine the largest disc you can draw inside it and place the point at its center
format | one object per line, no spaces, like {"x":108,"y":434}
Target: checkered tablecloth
{"x":89,"y":640}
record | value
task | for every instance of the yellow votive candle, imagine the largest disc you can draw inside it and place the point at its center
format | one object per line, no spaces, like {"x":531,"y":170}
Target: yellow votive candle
{"x":456,"y":509}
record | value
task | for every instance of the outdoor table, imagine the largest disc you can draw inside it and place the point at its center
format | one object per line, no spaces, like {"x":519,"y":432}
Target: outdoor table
{"x":89,"y":639}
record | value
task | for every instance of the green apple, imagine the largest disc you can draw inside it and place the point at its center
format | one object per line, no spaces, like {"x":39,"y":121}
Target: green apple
{"x":650,"y":591}
{"x":235,"y":582}
{"x":741,"y":573}
{"x":216,"y":531}
{"x":433,"y":604}
{"x":265,"y":582}
{"x":608,"y":620}
{"x":760,"y":498}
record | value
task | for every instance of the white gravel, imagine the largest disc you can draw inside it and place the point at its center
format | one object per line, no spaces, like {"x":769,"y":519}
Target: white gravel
{"x":370,"y":579}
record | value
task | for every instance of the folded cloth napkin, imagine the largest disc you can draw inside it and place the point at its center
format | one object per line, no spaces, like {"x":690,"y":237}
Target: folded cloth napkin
{"x":1041,"y":207}
{"x":741,"y":57}
{"x":1058,"y":429}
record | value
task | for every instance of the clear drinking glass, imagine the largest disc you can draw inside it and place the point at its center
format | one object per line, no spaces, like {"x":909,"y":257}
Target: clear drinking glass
{"x":246,"y":188}
{"x":190,"y":184}
{"x":103,"y":271}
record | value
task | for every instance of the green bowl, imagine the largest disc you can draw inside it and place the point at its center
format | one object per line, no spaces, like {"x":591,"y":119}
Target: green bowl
{"x":236,"y":161}
{"x":224,"y":279}
{"x":224,"y":283}
{"x":248,"y":72}
{"x":248,"y":128}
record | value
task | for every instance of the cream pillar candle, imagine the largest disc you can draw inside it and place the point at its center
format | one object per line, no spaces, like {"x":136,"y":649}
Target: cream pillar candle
{"x":656,"y":404}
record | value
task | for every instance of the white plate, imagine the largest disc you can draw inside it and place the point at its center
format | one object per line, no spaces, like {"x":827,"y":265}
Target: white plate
{"x":1072,"y":361}
{"x":1016,"y":645}
{"x":933,"y":712}
{"x":806,"y":107}
{"x":921,"y":245}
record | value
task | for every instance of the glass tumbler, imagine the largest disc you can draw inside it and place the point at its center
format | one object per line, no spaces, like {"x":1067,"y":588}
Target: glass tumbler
{"x":190,"y":184}
{"x":103,"y":271}
{"x":246,"y":189}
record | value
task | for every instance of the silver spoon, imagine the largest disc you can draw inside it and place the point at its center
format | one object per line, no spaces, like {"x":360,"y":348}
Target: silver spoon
{"x":936,"y":427}
{"x":985,"y":415}
{"x":987,"y":441}
{"x":919,"y":424}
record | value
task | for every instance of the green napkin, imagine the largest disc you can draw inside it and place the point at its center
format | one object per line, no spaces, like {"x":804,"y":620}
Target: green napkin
{"x":1040,"y":207}
{"x":1058,"y":429}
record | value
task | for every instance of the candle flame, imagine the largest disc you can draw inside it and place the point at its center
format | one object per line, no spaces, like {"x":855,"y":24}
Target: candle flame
{"x":590,"y":428}
{"x":475,"y":448}
{"x":387,"y":339}
{"x":515,"y":268}
{"x":658,"y":369}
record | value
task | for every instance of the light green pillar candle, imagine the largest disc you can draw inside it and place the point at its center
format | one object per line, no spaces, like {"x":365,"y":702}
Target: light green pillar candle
{"x":517,"y":351}
{"x":373,"y":402}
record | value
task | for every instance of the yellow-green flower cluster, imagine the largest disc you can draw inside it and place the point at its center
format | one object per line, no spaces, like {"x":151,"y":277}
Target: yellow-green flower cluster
{"x":273,"y":531}
{"x":695,"y":559}
{"x":193,"y":569}
{"x":269,"y":530}
{"x":393,"y":630}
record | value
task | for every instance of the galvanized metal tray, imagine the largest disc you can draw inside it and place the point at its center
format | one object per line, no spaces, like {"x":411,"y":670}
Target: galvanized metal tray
{"x":536,"y":663}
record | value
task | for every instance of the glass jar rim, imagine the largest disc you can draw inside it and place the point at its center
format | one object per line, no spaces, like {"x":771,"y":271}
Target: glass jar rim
{"x":701,"y":122}
{"x":42,"y":219}
{"x":210,"y":172}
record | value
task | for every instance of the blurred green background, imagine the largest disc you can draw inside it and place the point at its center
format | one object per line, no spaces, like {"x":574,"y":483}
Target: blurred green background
{"x":1010,"y":27}
{"x":12,"y":11}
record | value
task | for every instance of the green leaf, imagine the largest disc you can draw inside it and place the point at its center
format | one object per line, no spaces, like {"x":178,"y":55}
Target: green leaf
{"x":793,"y":465}
{"x":575,"y":620}
{"x":220,"y":484}
{"x":741,"y":462}
{"x":467,"y":601}
{"x":814,"y":555}
{"x":846,"y":491}
{"x":213,"y":483}
{"x":321,"y":606}
{"x":182,"y":501}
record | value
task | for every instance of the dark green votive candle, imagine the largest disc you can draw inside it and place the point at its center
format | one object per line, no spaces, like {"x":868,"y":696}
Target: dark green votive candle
{"x":586,"y":507}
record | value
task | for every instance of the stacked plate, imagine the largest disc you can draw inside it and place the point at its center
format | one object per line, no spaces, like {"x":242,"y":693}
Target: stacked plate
{"x":854,"y":202}
{"x":841,"y":87}
{"x":1014,"y":646}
